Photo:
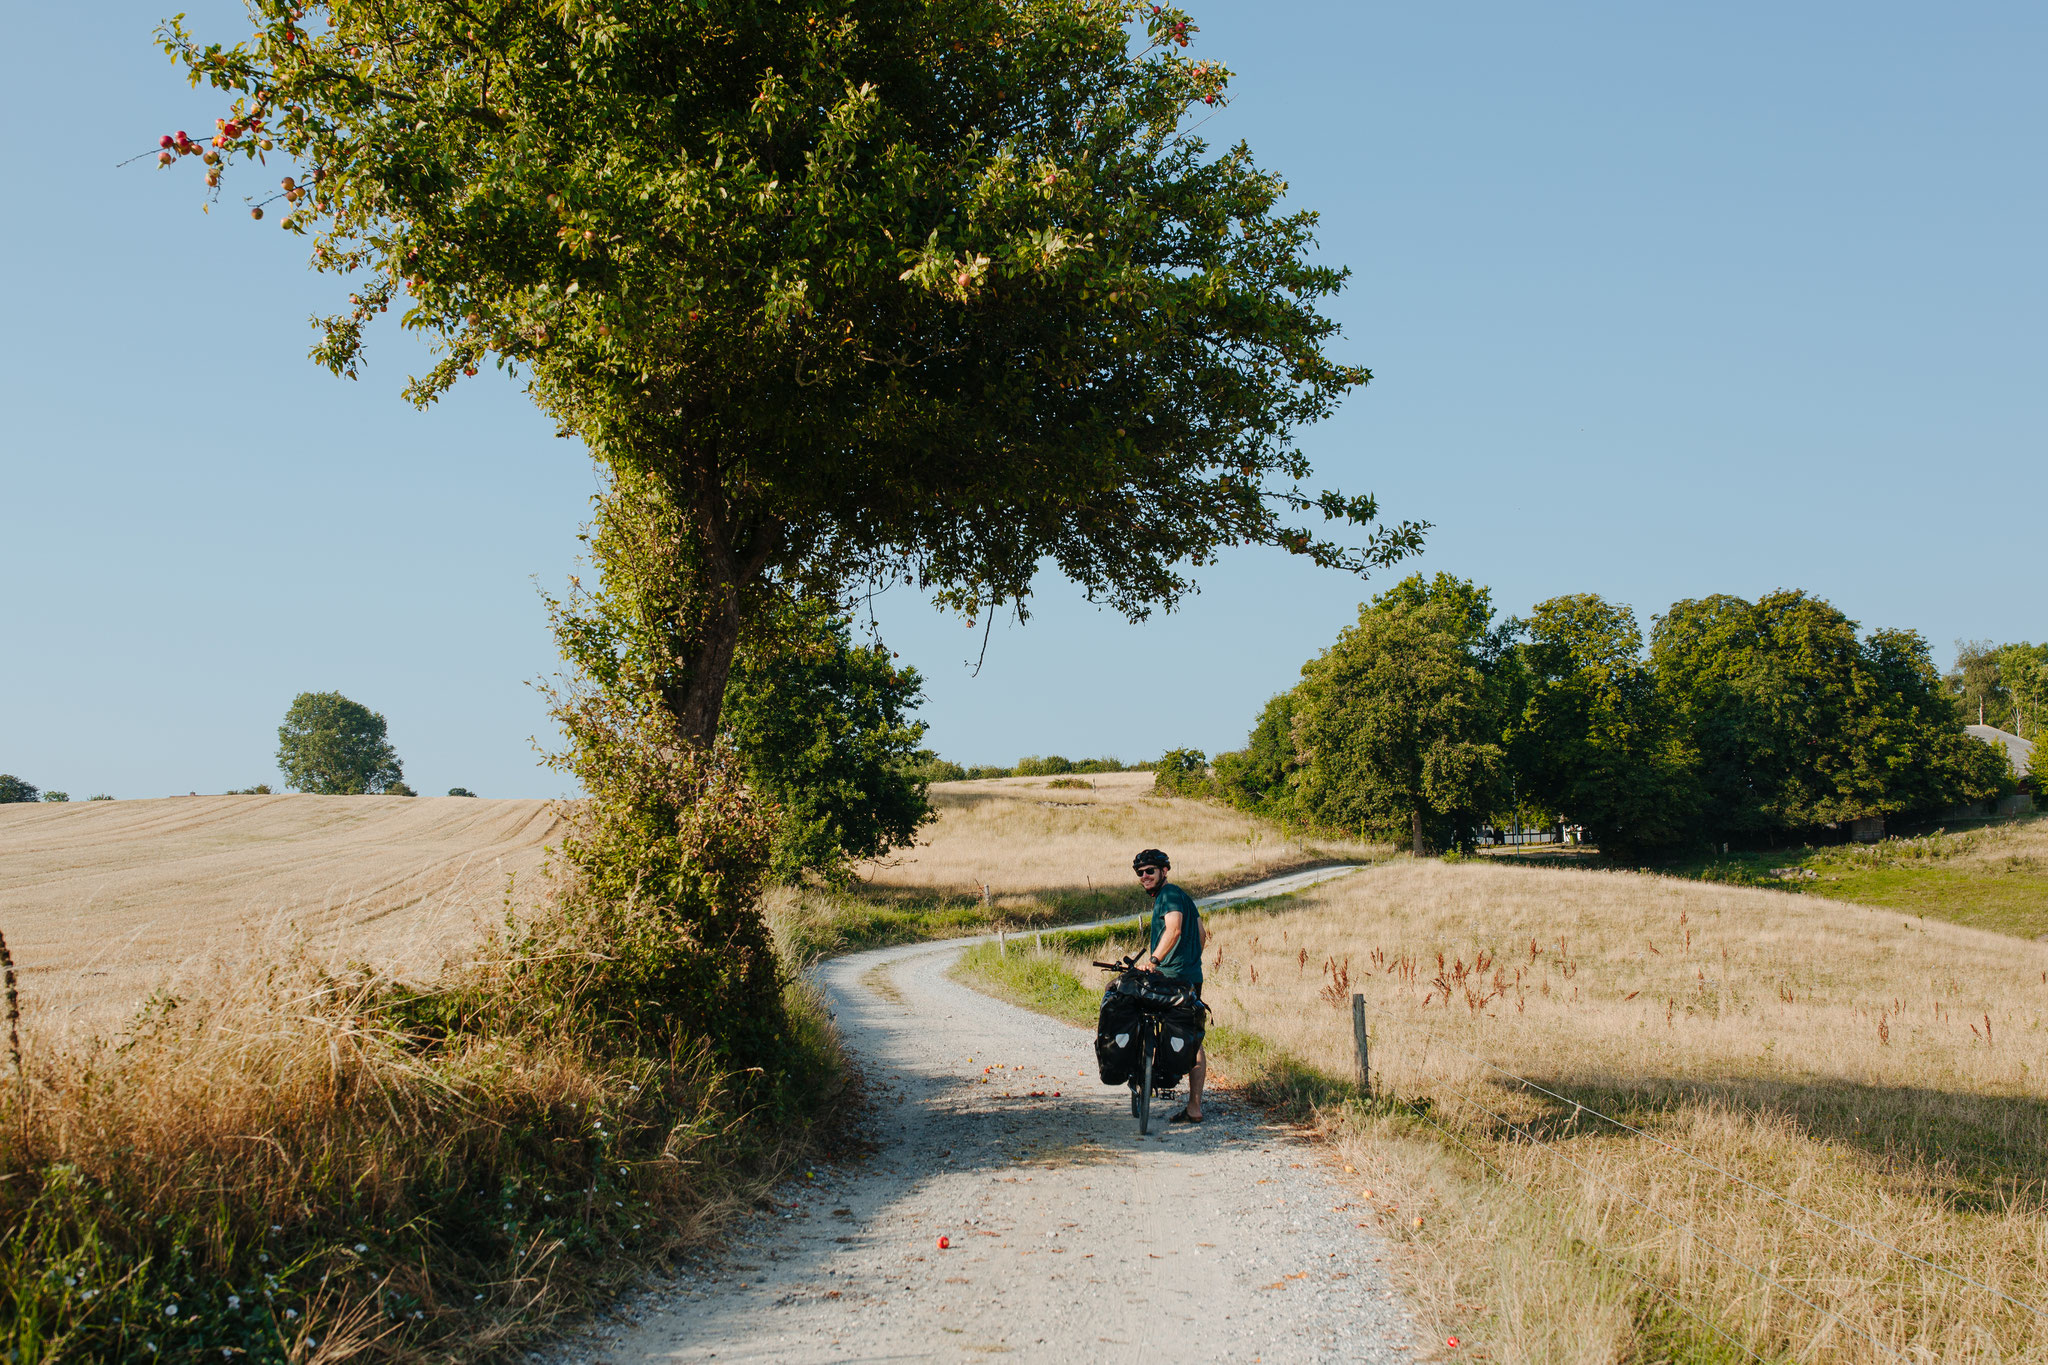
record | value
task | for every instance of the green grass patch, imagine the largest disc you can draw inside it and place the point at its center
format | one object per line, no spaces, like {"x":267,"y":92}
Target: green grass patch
{"x":1988,"y":876}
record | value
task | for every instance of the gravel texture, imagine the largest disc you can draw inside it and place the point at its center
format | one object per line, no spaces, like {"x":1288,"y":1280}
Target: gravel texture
{"x":1067,"y":1231}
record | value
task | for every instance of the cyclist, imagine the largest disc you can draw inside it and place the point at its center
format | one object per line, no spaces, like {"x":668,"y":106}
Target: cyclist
{"x":1176,"y":953}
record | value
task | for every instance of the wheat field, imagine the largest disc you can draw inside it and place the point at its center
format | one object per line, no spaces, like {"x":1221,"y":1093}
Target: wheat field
{"x":104,"y":902}
{"x":1024,"y":837}
{"x":1883,"y":1071}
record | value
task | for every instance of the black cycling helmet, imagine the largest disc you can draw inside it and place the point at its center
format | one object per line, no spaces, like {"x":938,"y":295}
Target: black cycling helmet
{"x":1151,"y":857}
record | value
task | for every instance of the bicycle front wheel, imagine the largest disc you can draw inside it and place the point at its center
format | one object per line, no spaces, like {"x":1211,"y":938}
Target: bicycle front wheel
{"x":1145,"y":1088}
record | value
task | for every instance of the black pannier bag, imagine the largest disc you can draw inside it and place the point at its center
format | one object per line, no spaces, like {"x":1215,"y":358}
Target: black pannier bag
{"x":1180,"y":1038}
{"x":1116,"y":1036}
{"x":1181,"y":1023}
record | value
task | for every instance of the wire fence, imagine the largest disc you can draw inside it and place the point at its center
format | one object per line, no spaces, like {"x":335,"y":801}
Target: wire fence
{"x":1581,"y":1109}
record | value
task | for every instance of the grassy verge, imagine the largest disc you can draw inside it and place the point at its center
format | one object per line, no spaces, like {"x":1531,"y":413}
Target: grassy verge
{"x":1992,"y":875}
{"x":286,"y":1165}
{"x":1880,"y":1075}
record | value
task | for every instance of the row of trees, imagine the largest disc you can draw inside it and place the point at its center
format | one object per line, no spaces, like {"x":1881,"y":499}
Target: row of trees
{"x":14,"y":790}
{"x":1748,"y":722}
{"x":2001,"y":685}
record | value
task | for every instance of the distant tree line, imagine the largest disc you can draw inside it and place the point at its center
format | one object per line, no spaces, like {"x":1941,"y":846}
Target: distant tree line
{"x":1744,"y":722}
{"x":936,"y":769}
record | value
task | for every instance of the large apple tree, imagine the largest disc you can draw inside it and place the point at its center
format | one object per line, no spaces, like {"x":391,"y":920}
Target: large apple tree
{"x":843,"y":295}
{"x":875,"y":290}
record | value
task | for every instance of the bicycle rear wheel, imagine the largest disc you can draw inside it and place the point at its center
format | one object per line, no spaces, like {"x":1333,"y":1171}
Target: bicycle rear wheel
{"x":1145,"y":1087}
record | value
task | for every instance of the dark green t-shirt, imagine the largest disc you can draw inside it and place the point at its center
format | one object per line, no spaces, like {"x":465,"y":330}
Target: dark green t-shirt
{"x":1184,"y":963}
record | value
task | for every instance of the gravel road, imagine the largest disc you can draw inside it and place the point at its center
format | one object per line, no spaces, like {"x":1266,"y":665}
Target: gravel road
{"x":1068,"y":1232}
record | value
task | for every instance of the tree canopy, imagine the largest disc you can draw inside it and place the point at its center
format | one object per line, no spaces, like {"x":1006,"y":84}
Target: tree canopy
{"x":1393,"y":723}
{"x":925,"y":290}
{"x":1747,"y":722}
{"x":331,"y":746}
{"x":14,"y":789}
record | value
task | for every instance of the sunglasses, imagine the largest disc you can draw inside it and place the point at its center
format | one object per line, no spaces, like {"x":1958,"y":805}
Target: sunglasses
{"x":1153,"y":871}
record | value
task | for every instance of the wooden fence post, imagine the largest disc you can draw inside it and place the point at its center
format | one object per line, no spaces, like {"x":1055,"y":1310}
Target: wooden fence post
{"x":1358,"y":1038}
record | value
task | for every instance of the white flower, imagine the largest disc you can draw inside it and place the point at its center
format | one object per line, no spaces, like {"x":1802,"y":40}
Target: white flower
{"x":170,"y":1310}
{"x":291,"y":1312}
{"x":360,"y":1248}
{"x":234,"y":1300}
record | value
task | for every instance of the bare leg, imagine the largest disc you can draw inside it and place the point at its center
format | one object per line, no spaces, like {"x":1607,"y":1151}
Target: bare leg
{"x":1197,"y":1074}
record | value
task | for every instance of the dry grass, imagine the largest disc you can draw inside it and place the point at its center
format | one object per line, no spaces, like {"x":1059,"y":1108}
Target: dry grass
{"x":354,"y":1118}
{"x":1048,"y":855}
{"x":1886,"y":1072}
{"x":105,"y":902}
{"x":1026,"y":838}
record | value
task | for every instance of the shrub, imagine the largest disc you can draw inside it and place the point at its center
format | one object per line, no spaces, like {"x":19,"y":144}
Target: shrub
{"x":1050,"y":766}
{"x":100,"y":796}
{"x":59,"y":797}
{"x":981,"y":772}
{"x":13,"y":789}
{"x":1072,"y":782}
{"x":927,"y":767}
{"x":460,"y":791}
{"x":260,"y":789}
{"x":1184,"y":772}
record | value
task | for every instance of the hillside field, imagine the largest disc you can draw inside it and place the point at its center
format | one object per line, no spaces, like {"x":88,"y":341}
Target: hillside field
{"x":102,"y":902}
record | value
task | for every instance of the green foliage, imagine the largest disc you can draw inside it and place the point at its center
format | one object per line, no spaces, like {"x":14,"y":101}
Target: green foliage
{"x":460,"y":791}
{"x":1051,"y":765}
{"x":931,"y":290}
{"x":671,"y":846}
{"x":1798,"y":722}
{"x":823,"y":726}
{"x":1395,"y":724}
{"x":331,"y":746}
{"x":1593,"y":736}
{"x":1183,"y":772}
{"x":99,"y":796}
{"x":59,"y":797}
{"x":1072,"y":784}
{"x":982,"y":771}
{"x":260,"y":789}
{"x":1260,"y":777}
{"x":13,"y":789}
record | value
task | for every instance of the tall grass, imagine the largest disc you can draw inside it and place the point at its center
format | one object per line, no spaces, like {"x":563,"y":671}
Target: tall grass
{"x":1884,"y":1073}
{"x":289,"y":1162}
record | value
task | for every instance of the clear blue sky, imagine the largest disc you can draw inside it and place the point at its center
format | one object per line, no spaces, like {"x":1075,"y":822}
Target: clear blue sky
{"x":1660,"y":301}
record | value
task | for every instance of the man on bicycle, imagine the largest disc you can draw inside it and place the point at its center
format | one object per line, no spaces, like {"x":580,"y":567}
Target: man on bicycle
{"x":1176,"y":953}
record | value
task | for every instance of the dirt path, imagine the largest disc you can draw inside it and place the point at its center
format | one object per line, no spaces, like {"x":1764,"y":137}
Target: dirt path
{"x":1071,"y":1236}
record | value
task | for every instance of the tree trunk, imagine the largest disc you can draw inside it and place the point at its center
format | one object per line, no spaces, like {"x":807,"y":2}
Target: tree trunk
{"x":698,"y":704}
{"x":1415,"y":831}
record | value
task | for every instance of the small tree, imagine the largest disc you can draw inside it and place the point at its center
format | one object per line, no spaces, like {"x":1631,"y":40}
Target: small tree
{"x":13,"y":789}
{"x":331,"y":746}
{"x":59,"y":797}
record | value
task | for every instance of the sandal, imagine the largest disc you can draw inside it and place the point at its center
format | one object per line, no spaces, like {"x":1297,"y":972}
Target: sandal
{"x":1183,"y":1117}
